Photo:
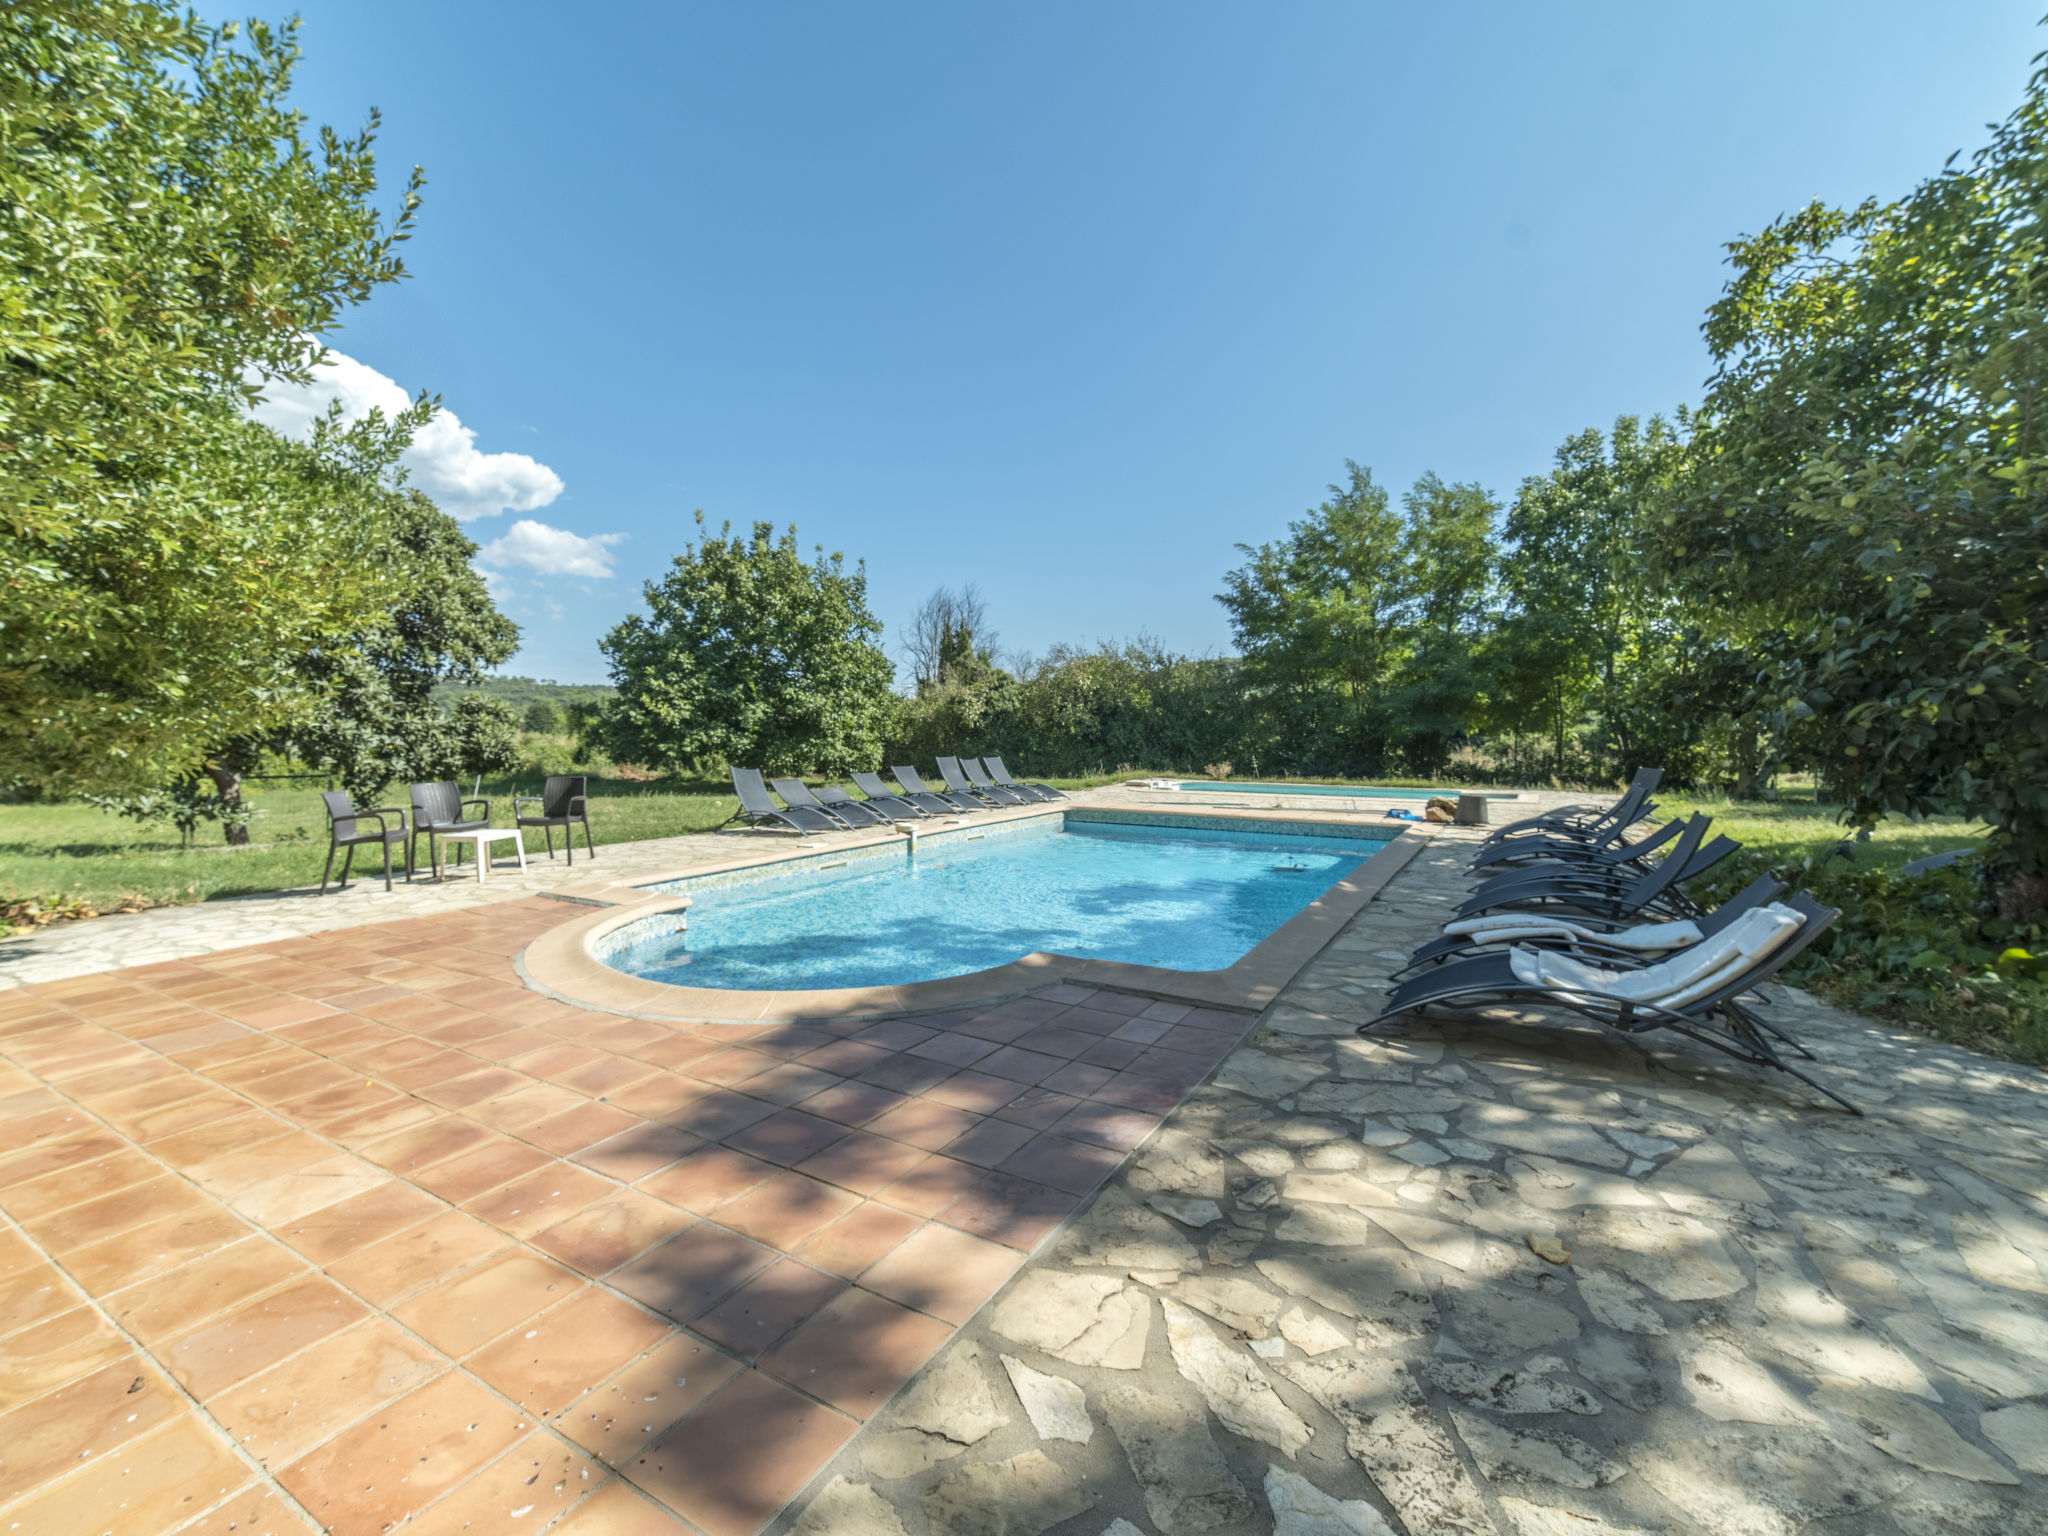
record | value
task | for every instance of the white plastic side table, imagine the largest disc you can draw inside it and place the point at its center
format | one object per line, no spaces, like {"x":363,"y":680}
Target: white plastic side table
{"x":482,"y":838}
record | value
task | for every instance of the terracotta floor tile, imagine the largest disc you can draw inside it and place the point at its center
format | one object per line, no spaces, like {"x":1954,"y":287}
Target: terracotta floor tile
{"x":619,"y":1509}
{"x":845,"y":1058}
{"x":675,"y":1051}
{"x":615,"y":1421}
{"x":473,"y":1088}
{"x":350,"y":1103}
{"x":51,"y":1354}
{"x":302,"y":1082}
{"x":715,"y":1114}
{"x":149,"y":1484}
{"x":460,"y":1314}
{"x":257,"y":1334}
{"x":609,"y":1075}
{"x":66,"y":1187}
{"x":862,"y":1162}
{"x":50,"y":1124}
{"x":69,"y":1429}
{"x":96,"y":1220}
{"x":988,"y":1143}
{"x":1077,"y":1078}
{"x":894,"y":1034}
{"x":256,"y":1509}
{"x":857,"y":1351}
{"x":229,"y":1173}
{"x":1133,"y":1090}
{"x":787,"y":1083}
{"x":442,"y":1246}
{"x":1012,"y":1211}
{"x":1114,"y":1054}
{"x":422,"y":1146}
{"x":734,"y":1462}
{"x":512,"y":1044}
{"x":154,"y":1248}
{"x":706,"y":1179}
{"x":290,"y":1196}
{"x":787,"y":1137}
{"x":425,"y":1071}
{"x":34,"y":1295}
{"x":601,"y":1237}
{"x":17,"y":1253}
{"x":282,"y":1413}
{"x":1075,"y":1166}
{"x":511,"y":1112}
{"x":523,"y":1490}
{"x":729,"y":1066}
{"x":693,"y":1270}
{"x":351,"y":1225}
{"x":853,"y":1103}
{"x":1107,"y":1125}
{"x":164,"y":1305}
{"x":857,"y":1239}
{"x":954,"y":1050}
{"x":540,"y":1199}
{"x":580,"y":1126}
{"x":469,"y":1174}
{"x":924,"y":1124}
{"x":372,"y":1477}
{"x":907,"y":1074}
{"x":638,"y":1151}
{"x":946,"y":1273}
{"x":662,"y":1096}
{"x":931,"y":1186}
{"x":762,"y":1312}
{"x":786,"y":1209}
{"x":1038,"y":1108}
{"x":978,"y":1092}
{"x":1055,"y":1040}
{"x":547,"y":1362}
{"x":200,"y":1112}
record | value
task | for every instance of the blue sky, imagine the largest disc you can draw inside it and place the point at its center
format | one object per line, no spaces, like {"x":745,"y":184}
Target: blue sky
{"x":1066,"y":300}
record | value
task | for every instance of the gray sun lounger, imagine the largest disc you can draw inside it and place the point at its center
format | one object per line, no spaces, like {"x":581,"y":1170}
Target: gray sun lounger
{"x":798,"y":797}
{"x":982,"y":784}
{"x":960,"y":787}
{"x":872,"y":785}
{"x":1587,"y":823}
{"x":1609,"y":851}
{"x":1717,"y":1019}
{"x":756,"y":807}
{"x":915,"y":786}
{"x":844,"y":806}
{"x":1001,"y":775}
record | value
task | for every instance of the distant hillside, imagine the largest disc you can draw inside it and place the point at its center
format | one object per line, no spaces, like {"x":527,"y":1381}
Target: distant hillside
{"x":522,"y":691}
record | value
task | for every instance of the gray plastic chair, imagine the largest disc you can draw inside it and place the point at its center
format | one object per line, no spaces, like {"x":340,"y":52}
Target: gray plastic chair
{"x":562,"y":804}
{"x":344,"y":830}
{"x":1001,"y":775}
{"x":756,"y":807}
{"x":918,"y":790}
{"x":438,"y":808}
{"x":839,"y":803}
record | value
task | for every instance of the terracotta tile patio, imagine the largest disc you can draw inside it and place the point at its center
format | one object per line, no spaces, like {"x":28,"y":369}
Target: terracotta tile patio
{"x":345,"y":1231}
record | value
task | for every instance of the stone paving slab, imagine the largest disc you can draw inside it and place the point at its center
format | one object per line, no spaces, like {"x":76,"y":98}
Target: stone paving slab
{"x":1508,"y":1276}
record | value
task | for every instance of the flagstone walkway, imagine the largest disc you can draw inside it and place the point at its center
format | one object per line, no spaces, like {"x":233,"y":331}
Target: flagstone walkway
{"x":1510,"y":1278}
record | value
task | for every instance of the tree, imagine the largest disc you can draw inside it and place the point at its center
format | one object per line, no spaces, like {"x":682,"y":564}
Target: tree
{"x":749,"y":654}
{"x":1449,"y":562}
{"x":540,"y":718}
{"x":380,"y":720}
{"x":172,"y":233}
{"x":486,"y":735}
{"x":1869,"y":507}
{"x":949,"y":636}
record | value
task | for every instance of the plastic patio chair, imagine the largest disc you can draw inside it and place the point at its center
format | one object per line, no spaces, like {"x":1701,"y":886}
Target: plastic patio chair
{"x":344,"y":830}
{"x":438,"y":808}
{"x":563,"y":804}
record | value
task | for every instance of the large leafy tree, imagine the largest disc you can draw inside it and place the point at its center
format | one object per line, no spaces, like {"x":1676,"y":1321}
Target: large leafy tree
{"x":1871,"y":494}
{"x":169,"y":231}
{"x":380,"y":720}
{"x":749,"y":653}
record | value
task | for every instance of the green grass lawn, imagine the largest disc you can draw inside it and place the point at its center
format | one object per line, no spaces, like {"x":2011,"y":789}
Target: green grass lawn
{"x":1794,"y":827}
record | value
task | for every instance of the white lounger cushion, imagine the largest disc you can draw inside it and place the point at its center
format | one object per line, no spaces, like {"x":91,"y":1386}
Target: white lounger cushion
{"x":1509,"y":927}
{"x":1691,"y":974}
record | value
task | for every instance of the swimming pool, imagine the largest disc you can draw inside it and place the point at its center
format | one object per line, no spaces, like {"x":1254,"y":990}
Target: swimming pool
{"x":1355,"y":791}
{"x":1185,"y":898}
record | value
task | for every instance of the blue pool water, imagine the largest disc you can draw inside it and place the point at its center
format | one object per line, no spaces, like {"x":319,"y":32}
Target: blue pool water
{"x":1187,"y":900}
{"x":1362,"y":791}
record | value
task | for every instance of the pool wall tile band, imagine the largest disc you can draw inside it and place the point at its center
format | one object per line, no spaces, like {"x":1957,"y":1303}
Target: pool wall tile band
{"x":563,"y":961}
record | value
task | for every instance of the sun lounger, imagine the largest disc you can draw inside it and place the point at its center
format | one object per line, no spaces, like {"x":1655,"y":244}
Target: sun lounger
{"x":915,"y":787}
{"x":879,"y":793}
{"x":982,"y":784}
{"x":1608,"y":851}
{"x":1587,"y":937}
{"x":1695,"y":993}
{"x":1611,"y":894}
{"x":797,"y":796}
{"x":1001,"y":775}
{"x":869,"y":813}
{"x":756,"y":807}
{"x":960,"y":787}
{"x":1584,"y":822}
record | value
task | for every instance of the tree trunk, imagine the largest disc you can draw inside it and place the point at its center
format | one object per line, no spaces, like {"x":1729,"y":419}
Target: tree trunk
{"x":228,"y":781}
{"x":1745,"y":762}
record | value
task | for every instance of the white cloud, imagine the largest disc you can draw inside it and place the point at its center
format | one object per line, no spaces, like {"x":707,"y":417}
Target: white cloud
{"x":443,"y":460}
{"x":552,"y":551}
